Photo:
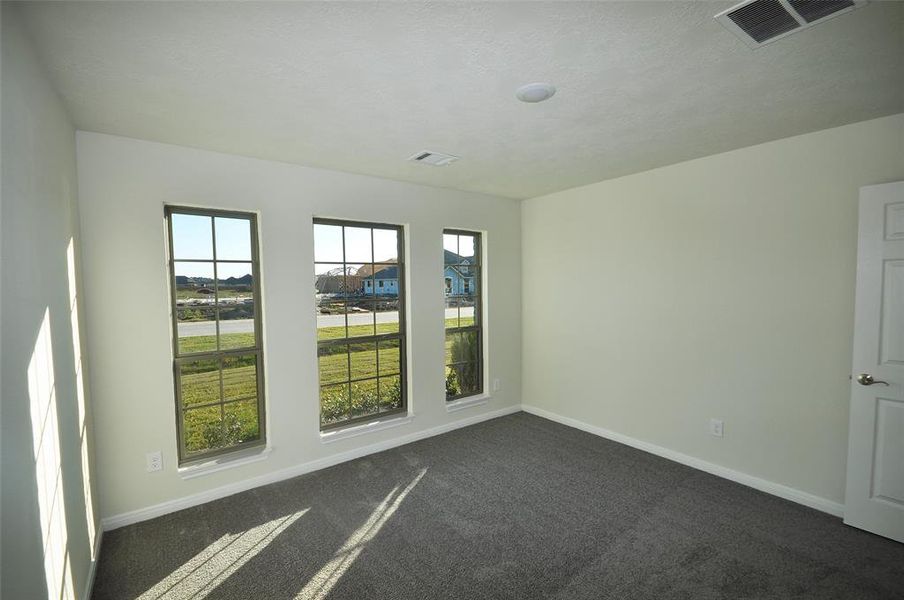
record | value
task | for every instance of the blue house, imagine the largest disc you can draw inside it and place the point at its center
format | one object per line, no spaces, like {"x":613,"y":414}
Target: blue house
{"x":459,"y":279}
{"x":386,"y":282}
{"x":459,"y":275}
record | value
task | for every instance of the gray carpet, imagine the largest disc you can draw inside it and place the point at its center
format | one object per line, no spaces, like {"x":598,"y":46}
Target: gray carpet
{"x":517,"y":507}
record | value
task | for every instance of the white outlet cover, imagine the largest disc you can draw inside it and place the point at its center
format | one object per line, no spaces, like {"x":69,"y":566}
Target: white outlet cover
{"x":716,"y":427}
{"x":154,"y":461}
{"x":497,"y":385}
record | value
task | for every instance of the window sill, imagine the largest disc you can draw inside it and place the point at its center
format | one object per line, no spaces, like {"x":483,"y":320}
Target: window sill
{"x":464,"y":403}
{"x":351,"y":431}
{"x":222,"y":463}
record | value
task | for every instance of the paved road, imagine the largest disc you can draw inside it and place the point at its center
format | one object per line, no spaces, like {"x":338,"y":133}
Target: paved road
{"x":195,"y":328}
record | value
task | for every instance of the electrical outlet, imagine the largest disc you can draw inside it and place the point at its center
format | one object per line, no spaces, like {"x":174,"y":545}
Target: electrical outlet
{"x":497,"y":385}
{"x":154,"y":461}
{"x":715,"y":427}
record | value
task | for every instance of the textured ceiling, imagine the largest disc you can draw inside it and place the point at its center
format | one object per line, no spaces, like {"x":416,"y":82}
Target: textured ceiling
{"x":360,"y":87}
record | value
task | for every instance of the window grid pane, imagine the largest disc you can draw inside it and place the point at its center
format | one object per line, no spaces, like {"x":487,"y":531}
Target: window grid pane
{"x":219,"y":386}
{"x":216,"y":293}
{"x":463,"y":318}
{"x":361,"y":365}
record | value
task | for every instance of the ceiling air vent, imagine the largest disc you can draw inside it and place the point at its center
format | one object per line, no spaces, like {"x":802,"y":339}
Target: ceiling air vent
{"x":759,"y":22}
{"x":435,"y":159}
{"x":813,"y":10}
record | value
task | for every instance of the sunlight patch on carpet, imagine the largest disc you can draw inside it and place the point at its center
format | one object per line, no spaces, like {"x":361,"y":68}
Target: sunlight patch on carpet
{"x":323,"y":582}
{"x":202,"y":574}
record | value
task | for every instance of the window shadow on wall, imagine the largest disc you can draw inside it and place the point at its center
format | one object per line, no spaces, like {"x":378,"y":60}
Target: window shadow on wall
{"x":51,"y":493}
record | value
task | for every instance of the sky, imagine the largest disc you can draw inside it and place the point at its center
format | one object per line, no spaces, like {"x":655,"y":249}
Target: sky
{"x":328,"y":244}
{"x":463,"y":245}
{"x":193,"y":239}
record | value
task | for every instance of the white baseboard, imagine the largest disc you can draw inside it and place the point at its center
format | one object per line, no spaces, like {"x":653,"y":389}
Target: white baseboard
{"x":770,"y":487}
{"x":92,"y":570}
{"x":157,"y":510}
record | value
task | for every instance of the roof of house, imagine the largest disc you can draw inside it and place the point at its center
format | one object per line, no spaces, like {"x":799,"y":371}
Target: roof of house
{"x":387,"y":273}
{"x":462,"y":270}
{"x":392,"y":272}
{"x":367,"y":269}
{"x":452,"y":258}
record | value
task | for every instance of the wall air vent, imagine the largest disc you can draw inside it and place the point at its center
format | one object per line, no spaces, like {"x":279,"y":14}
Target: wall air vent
{"x":760,"y":22}
{"x":435,"y":159}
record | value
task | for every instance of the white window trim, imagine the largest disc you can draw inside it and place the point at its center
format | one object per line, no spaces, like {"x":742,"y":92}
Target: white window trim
{"x":223,"y":462}
{"x":344,"y":433}
{"x":468,"y":402}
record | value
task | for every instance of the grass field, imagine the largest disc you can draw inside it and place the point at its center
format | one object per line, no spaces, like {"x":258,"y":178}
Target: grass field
{"x":207,"y":343}
{"x":216,"y":427}
{"x":209,"y":428}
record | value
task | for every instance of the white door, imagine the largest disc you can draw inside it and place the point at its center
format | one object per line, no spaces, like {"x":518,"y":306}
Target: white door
{"x":874,"y":498}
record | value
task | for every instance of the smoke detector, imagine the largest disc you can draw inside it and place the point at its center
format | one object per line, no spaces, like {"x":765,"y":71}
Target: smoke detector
{"x":761,"y":22}
{"x":535,"y":92}
{"x":434,"y":159}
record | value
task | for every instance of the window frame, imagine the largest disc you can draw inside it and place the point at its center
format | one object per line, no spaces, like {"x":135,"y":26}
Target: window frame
{"x":478,"y":325}
{"x":187,"y":458}
{"x":401,"y":336}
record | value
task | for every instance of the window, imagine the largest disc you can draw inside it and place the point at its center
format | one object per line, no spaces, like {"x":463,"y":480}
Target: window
{"x":464,"y":330}
{"x":218,"y":358}
{"x":360,"y":326}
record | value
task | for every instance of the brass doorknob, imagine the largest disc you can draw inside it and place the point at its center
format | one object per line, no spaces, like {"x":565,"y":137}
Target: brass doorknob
{"x":867,"y":379}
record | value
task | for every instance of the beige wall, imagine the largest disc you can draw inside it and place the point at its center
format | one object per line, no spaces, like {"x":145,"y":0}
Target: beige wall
{"x":124,"y":184}
{"x":721,"y":287}
{"x":48,"y":512}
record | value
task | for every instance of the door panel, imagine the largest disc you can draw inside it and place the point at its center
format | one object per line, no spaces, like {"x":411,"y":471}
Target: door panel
{"x":894,"y":221}
{"x":888,"y":484}
{"x":893,"y":312}
{"x":874,"y":496}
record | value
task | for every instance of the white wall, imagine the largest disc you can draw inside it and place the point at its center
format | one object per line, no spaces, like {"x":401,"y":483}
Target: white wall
{"x":721,"y":287}
{"x":123,"y":185}
{"x":48,"y":512}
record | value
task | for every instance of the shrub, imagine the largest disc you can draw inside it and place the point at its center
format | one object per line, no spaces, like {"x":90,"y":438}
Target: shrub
{"x":192,"y":314}
{"x":204,"y":431}
{"x":390,"y":393}
{"x":333,"y":403}
{"x":334,"y":400}
{"x":463,"y":377}
{"x":452,"y":386}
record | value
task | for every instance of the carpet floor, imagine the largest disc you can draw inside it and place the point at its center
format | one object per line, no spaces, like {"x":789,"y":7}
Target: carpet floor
{"x":517,"y":507}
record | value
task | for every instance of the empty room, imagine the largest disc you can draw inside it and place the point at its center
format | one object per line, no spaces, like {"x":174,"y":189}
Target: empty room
{"x":452,"y":300}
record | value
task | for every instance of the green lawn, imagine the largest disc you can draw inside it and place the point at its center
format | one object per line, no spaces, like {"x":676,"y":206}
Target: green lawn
{"x":205,"y":428}
{"x":333,"y":368}
{"x":208,"y":343}
{"x":209,"y":428}
{"x":335,"y":333}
